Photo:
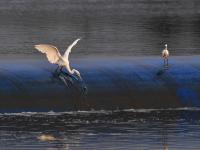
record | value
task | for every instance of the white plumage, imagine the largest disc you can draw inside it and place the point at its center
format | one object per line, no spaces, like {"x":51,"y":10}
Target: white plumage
{"x":165,"y":55}
{"x":165,"y":52}
{"x":54,"y":56}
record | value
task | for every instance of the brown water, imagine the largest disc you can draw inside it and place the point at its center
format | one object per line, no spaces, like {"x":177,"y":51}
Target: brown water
{"x":107,"y":27}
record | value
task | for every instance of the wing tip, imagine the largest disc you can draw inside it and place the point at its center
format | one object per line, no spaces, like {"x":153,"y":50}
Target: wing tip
{"x":36,"y":46}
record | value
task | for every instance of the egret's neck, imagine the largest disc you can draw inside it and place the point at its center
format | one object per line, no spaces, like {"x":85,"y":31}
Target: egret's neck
{"x":68,"y":68}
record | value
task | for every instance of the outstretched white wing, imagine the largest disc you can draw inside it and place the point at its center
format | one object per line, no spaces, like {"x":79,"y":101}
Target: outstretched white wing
{"x":52,"y":53}
{"x":66,"y":54}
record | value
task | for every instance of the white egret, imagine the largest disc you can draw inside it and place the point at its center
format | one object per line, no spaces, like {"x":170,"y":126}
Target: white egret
{"x":165,"y":55}
{"x":54,"y":56}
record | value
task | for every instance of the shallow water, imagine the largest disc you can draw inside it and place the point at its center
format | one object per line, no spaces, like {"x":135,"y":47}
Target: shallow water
{"x":128,"y":129}
{"x":107,"y":27}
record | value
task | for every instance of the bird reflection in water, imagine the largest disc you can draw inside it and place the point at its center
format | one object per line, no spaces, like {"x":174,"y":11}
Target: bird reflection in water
{"x":50,"y":138}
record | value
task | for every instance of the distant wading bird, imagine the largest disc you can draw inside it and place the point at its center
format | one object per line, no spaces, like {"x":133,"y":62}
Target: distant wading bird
{"x":165,"y":55}
{"x":54,"y":57}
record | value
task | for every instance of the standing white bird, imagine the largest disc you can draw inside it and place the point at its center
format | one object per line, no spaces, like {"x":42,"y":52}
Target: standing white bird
{"x":54,"y":56}
{"x":165,"y":55}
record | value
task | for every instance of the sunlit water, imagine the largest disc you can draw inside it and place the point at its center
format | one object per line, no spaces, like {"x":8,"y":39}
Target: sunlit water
{"x":129,"y":129}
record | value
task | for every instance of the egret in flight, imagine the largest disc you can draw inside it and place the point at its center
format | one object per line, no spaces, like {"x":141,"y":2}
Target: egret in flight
{"x":54,"y":56}
{"x":165,"y":55}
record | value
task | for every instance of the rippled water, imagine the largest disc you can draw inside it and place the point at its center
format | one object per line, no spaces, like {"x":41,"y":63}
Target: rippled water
{"x":107,"y":27}
{"x":129,"y":129}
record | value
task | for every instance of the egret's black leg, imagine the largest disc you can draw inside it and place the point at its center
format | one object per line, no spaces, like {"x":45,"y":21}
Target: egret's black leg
{"x":57,"y":69}
{"x":167,"y":61}
{"x":61,"y":69}
{"x":164,"y":62}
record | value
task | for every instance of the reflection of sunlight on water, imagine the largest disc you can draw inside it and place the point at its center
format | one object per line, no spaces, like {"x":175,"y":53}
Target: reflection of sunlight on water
{"x":51,"y":138}
{"x":46,"y":137}
{"x":165,"y":147}
{"x":142,"y":129}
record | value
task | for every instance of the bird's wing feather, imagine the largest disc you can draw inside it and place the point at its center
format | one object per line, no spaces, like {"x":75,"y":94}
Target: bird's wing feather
{"x":52,"y":53}
{"x":66,"y":54}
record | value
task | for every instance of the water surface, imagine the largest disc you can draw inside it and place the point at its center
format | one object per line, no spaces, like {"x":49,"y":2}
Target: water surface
{"x":107,"y":27}
{"x":129,"y":129}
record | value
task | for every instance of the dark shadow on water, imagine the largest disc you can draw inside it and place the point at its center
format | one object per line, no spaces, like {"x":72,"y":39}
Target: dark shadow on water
{"x":161,"y":71}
